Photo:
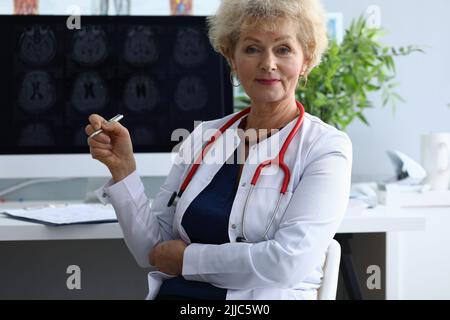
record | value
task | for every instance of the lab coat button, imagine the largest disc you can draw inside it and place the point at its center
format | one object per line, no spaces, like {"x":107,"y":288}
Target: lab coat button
{"x":244,"y":184}
{"x":104,"y":195}
{"x":233,"y":226}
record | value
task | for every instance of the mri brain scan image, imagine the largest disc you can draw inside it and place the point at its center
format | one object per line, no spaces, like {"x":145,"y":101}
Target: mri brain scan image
{"x":191,"y":93}
{"x":190,"y":48}
{"x":36,"y":134}
{"x":37,"y":45}
{"x":89,"y":46}
{"x":37,"y":92}
{"x":80,"y":137}
{"x":89,"y":93}
{"x":140,"y":47}
{"x":143,"y":136}
{"x":160,"y":72}
{"x":141,"y":93}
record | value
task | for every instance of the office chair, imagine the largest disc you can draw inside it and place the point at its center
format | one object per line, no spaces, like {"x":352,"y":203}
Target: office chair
{"x":328,"y":288}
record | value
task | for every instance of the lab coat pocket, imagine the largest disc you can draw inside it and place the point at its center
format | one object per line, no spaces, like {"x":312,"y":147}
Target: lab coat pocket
{"x":155,"y":280}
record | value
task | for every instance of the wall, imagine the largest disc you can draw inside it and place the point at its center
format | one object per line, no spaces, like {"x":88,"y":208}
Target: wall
{"x":138,"y":7}
{"x":424,"y":83}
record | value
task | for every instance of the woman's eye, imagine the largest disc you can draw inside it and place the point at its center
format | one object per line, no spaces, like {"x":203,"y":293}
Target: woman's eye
{"x":284,"y":50}
{"x":251,"y":50}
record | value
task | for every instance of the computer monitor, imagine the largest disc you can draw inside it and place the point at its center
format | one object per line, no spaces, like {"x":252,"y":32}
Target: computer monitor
{"x":161,"y":73}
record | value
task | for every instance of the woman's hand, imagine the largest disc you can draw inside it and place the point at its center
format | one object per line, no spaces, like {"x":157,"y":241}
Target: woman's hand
{"x":112,"y":147}
{"x":167,"y":257}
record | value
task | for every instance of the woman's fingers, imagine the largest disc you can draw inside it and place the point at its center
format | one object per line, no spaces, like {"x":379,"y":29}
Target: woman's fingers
{"x":99,"y":144}
{"x":89,"y":130}
{"x":103,"y":138}
{"x":114,"y":129}
{"x":99,"y":153}
{"x":110,"y":129}
{"x":152,"y":258}
{"x":96,"y":121}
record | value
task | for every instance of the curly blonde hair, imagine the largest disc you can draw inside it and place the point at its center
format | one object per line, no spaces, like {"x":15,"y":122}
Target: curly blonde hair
{"x":233,"y":16}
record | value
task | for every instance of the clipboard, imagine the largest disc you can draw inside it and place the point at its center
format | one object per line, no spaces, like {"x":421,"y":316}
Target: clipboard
{"x":65,"y":214}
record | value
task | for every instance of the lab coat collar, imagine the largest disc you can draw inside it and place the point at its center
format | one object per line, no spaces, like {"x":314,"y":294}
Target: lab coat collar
{"x":220,"y":151}
{"x":226,"y":145}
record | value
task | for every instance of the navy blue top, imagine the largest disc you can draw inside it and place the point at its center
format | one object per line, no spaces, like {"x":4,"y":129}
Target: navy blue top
{"x":206,"y":221}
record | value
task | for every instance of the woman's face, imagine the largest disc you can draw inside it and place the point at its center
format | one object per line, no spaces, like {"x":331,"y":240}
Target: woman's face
{"x":269,"y":63}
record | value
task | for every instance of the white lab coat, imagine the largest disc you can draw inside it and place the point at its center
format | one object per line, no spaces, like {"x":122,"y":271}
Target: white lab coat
{"x":289,"y":264}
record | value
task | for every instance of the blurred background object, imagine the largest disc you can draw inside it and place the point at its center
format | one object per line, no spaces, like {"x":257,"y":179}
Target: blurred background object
{"x":26,"y":6}
{"x":122,"y":7}
{"x":436,"y":160}
{"x":101,"y":7}
{"x":181,"y":7}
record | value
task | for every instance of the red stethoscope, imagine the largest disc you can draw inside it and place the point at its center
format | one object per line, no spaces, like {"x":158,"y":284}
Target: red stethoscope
{"x":278,"y":160}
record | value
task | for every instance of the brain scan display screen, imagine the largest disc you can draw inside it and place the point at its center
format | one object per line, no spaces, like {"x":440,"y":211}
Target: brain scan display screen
{"x":161,"y":73}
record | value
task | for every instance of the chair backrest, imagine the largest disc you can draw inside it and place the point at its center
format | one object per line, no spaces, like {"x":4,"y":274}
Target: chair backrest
{"x":328,"y":288}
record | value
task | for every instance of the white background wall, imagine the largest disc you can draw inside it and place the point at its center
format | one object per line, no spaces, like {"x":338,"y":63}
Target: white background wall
{"x":150,"y":7}
{"x":424,"y":82}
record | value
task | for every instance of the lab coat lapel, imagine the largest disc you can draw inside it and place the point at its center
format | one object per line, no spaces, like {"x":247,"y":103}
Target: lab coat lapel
{"x":220,"y":151}
{"x":266,"y":192}
{"x":268,"y":149}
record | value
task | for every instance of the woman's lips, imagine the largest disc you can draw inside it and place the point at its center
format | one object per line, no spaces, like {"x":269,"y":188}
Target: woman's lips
{"x":267,"y":82}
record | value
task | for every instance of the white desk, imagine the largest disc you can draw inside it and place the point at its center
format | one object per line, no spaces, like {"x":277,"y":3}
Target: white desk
{"x":379,"y":220}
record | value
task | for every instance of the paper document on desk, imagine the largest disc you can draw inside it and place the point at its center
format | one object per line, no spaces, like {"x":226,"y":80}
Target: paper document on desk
{"x":356,"y":207}
{"x":59,"y":215}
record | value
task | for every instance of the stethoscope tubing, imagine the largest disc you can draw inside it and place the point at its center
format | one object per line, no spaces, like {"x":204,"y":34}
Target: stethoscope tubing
{"x":278,"y":160}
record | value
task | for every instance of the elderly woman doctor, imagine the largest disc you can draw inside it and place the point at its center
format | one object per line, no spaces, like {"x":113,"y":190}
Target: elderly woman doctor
{"x":227,"y":237}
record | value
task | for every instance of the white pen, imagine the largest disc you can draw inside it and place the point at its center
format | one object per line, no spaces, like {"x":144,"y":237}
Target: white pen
{"x":114,"y":119}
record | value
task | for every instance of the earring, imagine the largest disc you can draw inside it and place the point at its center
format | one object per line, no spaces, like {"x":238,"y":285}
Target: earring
{"x":303,"y":79}
{"x":232,"y":81}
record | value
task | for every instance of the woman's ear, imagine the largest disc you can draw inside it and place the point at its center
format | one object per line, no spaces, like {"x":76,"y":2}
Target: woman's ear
{"x":229,"y":57}
{"x":304,"y":69}
{"x":232,"y":63}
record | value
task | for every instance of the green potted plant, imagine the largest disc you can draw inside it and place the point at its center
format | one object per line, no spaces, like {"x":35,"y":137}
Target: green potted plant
{"x":337,"y":90}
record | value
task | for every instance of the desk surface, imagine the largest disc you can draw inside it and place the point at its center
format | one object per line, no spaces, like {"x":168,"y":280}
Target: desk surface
{"x":379,"y":219}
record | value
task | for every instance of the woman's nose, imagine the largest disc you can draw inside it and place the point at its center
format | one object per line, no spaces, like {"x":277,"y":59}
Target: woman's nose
{"x":268,"y":62}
